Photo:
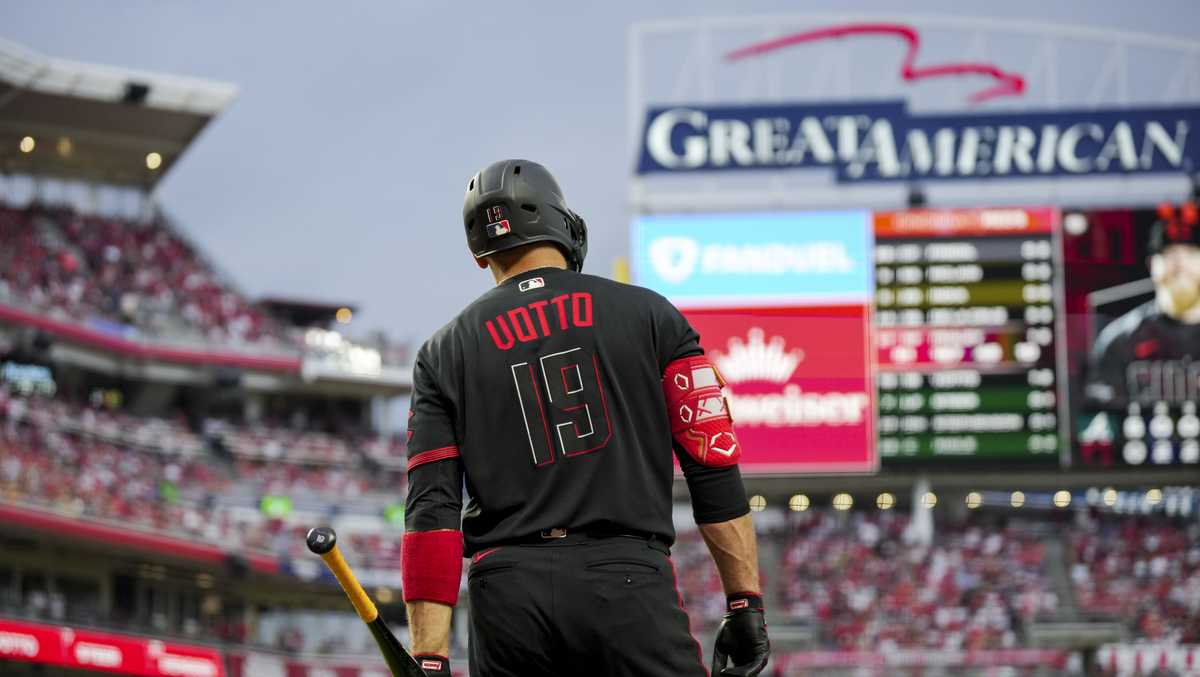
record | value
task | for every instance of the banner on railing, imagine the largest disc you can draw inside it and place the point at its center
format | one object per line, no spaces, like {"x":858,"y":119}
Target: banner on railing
{"x":104,"y":652}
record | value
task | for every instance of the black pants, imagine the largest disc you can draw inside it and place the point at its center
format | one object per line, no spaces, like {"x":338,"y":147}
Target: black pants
{"x":579,"y":607}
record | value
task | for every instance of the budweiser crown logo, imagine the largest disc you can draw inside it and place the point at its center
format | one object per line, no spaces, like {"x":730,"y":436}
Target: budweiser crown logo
{"x":757,"y":359}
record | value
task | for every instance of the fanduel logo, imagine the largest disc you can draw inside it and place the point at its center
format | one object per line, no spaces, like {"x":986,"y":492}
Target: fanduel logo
{"x":675,"y":259}
{"x":756,"y":359}
{"x":881,"y":141}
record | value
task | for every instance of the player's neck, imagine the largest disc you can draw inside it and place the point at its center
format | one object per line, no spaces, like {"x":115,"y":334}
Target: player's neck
{"x":531,"y":259}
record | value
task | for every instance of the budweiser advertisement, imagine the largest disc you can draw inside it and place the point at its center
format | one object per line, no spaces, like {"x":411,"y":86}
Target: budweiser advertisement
{"x":799,"y":385}
{"x":104,"y":652}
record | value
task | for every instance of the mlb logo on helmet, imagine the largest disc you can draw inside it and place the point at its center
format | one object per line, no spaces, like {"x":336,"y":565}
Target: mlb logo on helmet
{"x":497,"y":224}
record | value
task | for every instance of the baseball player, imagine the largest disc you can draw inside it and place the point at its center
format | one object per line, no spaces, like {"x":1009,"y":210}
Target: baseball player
{"x":540,"y":445}
{"x":1152,"y":353}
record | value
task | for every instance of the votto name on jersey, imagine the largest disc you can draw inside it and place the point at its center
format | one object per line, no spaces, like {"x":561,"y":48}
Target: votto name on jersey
{"x":539,"y":319}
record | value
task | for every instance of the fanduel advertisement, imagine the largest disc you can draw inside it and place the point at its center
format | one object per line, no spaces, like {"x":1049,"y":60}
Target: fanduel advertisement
{"x":756,"y":259}
{"x":799,"y":385}
{"x":883,"y":142}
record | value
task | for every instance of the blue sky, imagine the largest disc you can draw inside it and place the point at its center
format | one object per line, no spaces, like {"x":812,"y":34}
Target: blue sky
{"x":338,"y":172}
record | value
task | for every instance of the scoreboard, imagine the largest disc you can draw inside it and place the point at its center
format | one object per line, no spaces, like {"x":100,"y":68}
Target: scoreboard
{"x":965,"y":335}
{"x":1003,"y":336}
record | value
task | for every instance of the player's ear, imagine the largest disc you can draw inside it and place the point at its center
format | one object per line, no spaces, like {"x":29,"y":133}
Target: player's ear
{"x":480,"y":261}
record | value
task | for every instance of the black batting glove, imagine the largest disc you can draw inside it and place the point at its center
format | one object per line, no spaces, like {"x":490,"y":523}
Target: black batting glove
{"x":742,"y":638}
{"x":433,"y":664}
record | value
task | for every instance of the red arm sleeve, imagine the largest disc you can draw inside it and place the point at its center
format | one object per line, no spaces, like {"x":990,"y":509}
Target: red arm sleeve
{"x":431,"y":560}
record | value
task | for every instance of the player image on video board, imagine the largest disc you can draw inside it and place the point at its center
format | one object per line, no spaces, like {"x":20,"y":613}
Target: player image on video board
{"x":1140,"y":379}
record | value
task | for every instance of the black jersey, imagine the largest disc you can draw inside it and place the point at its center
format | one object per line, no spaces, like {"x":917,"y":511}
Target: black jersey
{"x":544,"y":399}
{"x":1145,"y":357}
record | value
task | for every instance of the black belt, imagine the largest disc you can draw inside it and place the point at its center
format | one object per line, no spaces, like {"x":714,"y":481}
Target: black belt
{"x":564,"y":536}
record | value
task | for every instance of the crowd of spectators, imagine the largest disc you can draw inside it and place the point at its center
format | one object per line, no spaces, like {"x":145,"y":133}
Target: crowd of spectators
{"x":1145,"y":572}
{"x":279,"y":443}
{"x":697,"y":579}
{"x":279,"y":459}
{"x":91,"y":478}
{"x":863,"y":579}
{"x":142,"y":274}
{"x":155,"y":473}
{"x":868,"y":583}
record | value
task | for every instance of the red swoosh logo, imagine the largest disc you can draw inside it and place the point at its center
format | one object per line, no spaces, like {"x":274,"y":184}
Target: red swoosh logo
{"x":1007,"y":83}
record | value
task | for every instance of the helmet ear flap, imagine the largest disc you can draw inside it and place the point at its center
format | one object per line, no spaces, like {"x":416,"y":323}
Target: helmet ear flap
{"x":578,"y":229}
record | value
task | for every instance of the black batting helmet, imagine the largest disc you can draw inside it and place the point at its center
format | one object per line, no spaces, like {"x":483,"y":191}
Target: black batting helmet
{"x":512,"y":203}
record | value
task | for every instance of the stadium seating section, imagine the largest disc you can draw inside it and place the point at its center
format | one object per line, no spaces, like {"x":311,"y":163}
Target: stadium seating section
{"x":1145,"y":572}
{"x":94,"y":269}
{"x":158,"y":474}
{"x":871,"y":584}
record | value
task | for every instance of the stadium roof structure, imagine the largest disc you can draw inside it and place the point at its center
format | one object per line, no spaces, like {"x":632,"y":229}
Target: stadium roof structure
{"x":304,"y":312}
{"x":72,"y":120}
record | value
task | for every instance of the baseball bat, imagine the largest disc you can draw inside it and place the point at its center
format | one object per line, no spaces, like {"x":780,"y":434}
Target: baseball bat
{"x":323,"y":541}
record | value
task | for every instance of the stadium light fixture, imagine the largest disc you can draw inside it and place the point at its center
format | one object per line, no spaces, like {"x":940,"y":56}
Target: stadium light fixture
{"x":758,"y":503}
{"x":1109,"y":497}
{"x":344,"y":315}
{"x":65,"y":147}
{"x":885,"y":501}
{"x":1075,"y":223}
{"x":929,"y":500}
{"x":153,"y":161}
{"x":27,"y":144}
{"x":798,"y":503}
{"x":843,"y":502}
{"x":1062,"y":498}
{"x":974,"y":500}
{"x":1018,"y":499}
{"x":384,"y":595}
{"x":1154,"y":496}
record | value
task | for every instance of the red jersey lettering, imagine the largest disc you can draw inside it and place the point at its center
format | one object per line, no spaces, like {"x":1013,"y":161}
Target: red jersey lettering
{"x":518,"y":324}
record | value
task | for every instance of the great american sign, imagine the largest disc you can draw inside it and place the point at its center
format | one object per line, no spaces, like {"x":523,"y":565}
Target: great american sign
{"x":881,"y":141}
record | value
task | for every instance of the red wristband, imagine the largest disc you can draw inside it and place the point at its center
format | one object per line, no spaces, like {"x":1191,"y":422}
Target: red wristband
{"x":431,"y":566}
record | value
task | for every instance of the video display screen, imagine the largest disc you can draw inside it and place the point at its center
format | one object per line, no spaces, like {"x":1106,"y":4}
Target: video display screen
{"x":1133,"y":331}
{"x":925,"y":338}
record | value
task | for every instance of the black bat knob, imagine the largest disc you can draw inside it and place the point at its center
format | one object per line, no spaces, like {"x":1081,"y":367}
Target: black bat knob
{"x":321,"y":540}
